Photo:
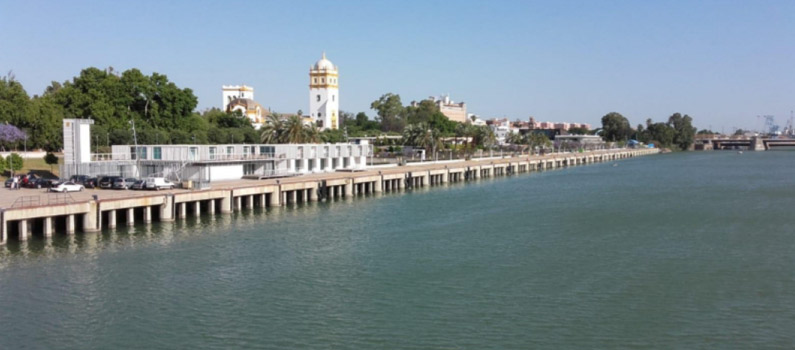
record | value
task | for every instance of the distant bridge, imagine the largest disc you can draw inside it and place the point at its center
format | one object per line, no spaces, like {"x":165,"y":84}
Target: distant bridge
{"x":743,"y":143}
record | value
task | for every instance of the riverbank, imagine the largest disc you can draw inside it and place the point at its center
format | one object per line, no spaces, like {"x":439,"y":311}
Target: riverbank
{"x":24,"y":216}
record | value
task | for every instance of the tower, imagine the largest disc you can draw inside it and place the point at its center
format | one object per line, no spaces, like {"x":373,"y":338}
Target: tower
{"x":324,"y":96}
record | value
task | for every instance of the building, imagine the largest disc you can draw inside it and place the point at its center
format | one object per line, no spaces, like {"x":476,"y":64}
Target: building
{"x":324,"y":100}
{"x":501,"y":128}
{"x":456,"y":112}
{"x":563,"y":126}
{"x":207,"y":163}
{"x":203,"y":164}
{"x":240,"y":98}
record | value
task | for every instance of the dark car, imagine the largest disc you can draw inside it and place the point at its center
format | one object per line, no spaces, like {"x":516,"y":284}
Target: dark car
{"x":90,"y":183}
{"x":139,"y":185}
{"x":107,"y":181}
{"x":40,"y":183}
{"x":79,"y":179}
{"x":123,"y":184}
{"x":9,"y":182}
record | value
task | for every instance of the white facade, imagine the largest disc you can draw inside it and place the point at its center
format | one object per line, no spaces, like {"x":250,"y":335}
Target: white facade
{"x":324,"y":99}
{"x":235,"y":161}
{"x":501,"y":128}
{"x":231,"y":92}
{"x":77,"y":140}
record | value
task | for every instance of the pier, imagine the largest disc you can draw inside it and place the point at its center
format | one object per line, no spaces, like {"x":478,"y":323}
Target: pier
{"x":89,"y":211}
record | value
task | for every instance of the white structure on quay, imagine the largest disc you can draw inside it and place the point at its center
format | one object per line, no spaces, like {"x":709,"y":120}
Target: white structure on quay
{"x":324,"y":99}
{"x":206,"y":163}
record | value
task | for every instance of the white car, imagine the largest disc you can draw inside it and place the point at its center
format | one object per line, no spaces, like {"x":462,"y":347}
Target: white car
{"x":158,"y":183}
{"x":67,"y":187}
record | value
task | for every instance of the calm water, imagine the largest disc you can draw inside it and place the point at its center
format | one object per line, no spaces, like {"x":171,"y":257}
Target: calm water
{"x":673,"y":251}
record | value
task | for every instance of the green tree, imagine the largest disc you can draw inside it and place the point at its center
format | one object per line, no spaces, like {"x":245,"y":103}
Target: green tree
{"x":14,"y":162}
{"x":3,"y":165}
{"x":13,"y":102}
{"x":332,"y":136}
{"x":685,"y":133}
{"x":51,"y":159}
{"x":615,"y":127}
{"x":390,"y":112}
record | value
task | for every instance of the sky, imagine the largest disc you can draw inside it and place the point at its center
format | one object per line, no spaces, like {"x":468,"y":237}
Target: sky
{"x":724,"y":63}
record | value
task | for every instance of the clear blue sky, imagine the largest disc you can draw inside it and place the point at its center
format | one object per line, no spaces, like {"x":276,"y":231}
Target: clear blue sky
{"x":723,"y":62}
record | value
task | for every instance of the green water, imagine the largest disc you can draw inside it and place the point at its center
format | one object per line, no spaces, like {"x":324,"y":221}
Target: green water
{"x":673,"y":251}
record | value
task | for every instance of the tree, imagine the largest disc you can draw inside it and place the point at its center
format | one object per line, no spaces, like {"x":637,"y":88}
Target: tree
{"x":10,"y":134}
{"x":51,"y":159}
{"x":615,"y":127}
{"x":13,"y":101}
{"x":15,"y":163}
{"x":3,"y":165}
{"x":390,"y":112}
{"x":684,"y":135}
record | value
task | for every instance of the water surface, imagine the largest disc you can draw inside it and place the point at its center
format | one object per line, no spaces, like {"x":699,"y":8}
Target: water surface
{"x":691,"y":250}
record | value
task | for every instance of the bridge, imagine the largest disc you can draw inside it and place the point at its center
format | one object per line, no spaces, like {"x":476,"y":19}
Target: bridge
{"x":742,"y":143}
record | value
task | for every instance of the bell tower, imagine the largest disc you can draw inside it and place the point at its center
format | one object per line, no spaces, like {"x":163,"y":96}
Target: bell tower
{"x":324,"y":99}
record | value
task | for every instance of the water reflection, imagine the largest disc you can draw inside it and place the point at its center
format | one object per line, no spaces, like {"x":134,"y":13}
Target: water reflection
{"x":166,"y":233}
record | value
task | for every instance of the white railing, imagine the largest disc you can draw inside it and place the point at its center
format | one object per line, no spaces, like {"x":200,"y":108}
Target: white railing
{"x":231,"y":157}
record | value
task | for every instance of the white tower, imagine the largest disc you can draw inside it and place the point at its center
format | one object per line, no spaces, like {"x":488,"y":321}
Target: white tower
{"x":324,"y":99}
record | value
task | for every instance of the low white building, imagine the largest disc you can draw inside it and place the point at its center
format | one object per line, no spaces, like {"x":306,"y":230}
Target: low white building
{"x":207,"y":163}
{"x":501,"y":129}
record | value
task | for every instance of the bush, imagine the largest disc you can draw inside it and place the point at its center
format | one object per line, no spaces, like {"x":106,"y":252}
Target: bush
{"x":15,"y":162}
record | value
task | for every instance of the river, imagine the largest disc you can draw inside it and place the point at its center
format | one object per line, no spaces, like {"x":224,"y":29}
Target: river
{"x":685,"y":250}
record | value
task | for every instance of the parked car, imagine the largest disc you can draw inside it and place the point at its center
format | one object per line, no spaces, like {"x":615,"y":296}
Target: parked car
{"x":39,"y":183}
{"x":79,"y":179}
{"x":90,"y":183}
{"x":123,"y":184}
{"x":158,"y":183}
{"x":68,"y":186}
{"x":107,"y":181}
{"x":9,"y":182}
{"x":139,"y":185}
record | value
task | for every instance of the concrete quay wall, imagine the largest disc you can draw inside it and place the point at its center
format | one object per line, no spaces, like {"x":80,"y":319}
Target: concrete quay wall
{"x":97,"y":214}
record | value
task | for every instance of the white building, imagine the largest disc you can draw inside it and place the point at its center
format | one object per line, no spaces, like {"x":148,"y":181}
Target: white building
{"x":207,"y":163}
{"x":324,"y":99}
{"x":241,"y":98}
{"x":501,"y":129}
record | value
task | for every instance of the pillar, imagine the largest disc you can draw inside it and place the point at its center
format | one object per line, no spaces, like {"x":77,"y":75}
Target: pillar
{"x":211,"y":206}
{"x":263,"y":199}
{"x":312,"y":194}
{"x":147,"y":214}
{"x":379,"y":184}
{"x":111,"y":218}
{"x":47,"y":229}
{"x":250,"y":202}
{"x":70,"y":224}
{"x":130,"y":216}
{"x":182,"y":210}
{"x":349,"y":187}
{"x":3,"y":232}
{"x":166,"y":210}
{"x":23,"y":230}
{"x":197,"y":208}
{"x":275,"y":196}
{"x":291,"y":197}
{"x":238,"y":203}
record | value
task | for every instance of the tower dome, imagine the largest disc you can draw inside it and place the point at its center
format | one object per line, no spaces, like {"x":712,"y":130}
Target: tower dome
{"x":324,"y":64}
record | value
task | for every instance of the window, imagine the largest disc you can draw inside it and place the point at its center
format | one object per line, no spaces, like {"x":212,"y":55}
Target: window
{"x":332,"y":98}
{"x":266,"y":151}
{"x":323,"y":80}
{"x":230,"y":150}
{"x":318,"y":98}
{"x":132,"y":153}
{"x":249,"y":169}
{"x":142,"y":152}
{"x":157,"y":153}
{"x":193,"y":153}
{"x":245,"y":152}
{"x":314,"y":80}
{"x":212,"y":153}
{"x":319,"y":115}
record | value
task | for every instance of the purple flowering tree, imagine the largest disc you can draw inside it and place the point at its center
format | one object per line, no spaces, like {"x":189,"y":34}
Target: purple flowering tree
{"x":10,"y":134}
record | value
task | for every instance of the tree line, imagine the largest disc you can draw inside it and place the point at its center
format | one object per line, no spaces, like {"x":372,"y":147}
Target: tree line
{"x":676,"y":133}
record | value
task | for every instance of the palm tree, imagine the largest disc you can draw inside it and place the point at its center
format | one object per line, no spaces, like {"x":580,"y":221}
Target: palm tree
{"x":294,"y":130}
{"x":311,"y":134}
{"x":273,"y":129}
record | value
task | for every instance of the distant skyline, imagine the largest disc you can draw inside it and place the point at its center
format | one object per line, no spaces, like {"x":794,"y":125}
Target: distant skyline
{"x":722,"y":62}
